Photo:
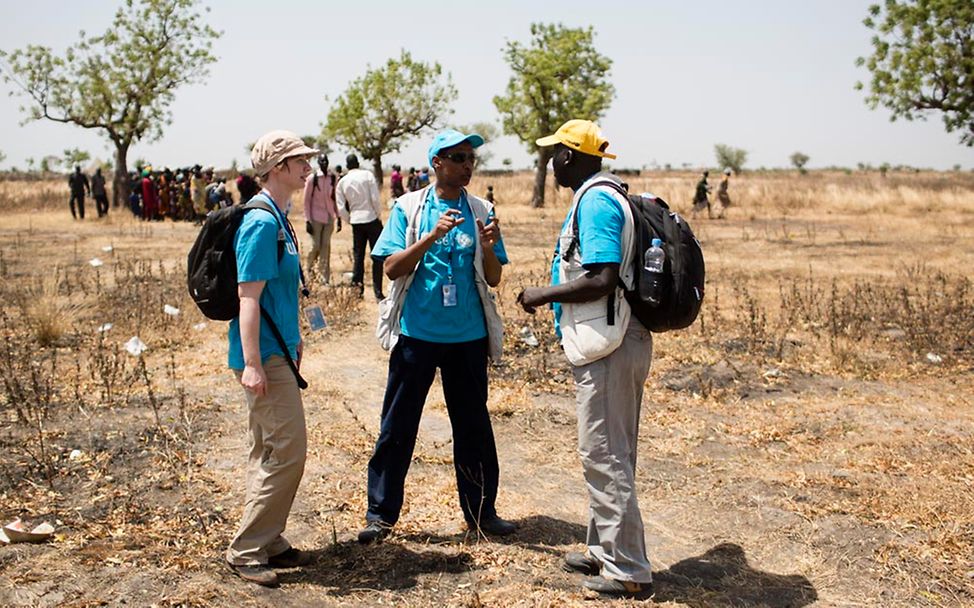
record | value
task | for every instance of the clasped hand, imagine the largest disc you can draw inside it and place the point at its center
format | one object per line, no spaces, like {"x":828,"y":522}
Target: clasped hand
{"x":450,"y":219}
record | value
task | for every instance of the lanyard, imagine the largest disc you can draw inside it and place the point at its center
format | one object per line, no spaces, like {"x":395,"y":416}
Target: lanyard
{"x":449,"y":239}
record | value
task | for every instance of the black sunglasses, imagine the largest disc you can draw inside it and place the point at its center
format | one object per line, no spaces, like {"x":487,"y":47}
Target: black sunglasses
{"x":460,"y":157}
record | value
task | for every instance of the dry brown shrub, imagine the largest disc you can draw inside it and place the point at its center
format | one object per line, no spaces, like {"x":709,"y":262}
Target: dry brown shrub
{"x":50,"y":310}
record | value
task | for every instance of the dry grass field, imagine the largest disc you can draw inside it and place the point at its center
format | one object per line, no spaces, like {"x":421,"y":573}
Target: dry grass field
{"x":808,"y":442}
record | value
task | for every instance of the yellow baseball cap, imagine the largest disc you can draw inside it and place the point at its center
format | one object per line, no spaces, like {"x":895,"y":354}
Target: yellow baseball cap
{"x":582,"y":135}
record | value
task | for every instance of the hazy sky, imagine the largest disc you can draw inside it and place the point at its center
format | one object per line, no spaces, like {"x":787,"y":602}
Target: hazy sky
{"x":773,"y":77}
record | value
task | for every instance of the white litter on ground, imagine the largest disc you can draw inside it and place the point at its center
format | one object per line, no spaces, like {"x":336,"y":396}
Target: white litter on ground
{"x":105,"y":327}
{"x":135,"y":346}
{"x":528,"y":337}
{"x":95,"y":262}
{"x":172,"y":311}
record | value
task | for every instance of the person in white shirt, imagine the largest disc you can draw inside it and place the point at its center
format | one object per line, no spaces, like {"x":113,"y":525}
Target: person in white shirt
{"x":358,"y":203}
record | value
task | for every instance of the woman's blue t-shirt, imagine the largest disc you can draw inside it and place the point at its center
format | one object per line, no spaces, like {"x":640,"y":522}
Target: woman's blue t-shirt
{"x":255,"y":245}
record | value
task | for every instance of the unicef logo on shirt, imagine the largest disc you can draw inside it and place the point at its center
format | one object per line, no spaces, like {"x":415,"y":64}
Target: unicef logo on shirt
{"x":464,"y":240}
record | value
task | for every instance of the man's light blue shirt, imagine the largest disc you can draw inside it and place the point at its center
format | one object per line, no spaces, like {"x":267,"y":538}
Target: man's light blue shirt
{"x":424,"y":315}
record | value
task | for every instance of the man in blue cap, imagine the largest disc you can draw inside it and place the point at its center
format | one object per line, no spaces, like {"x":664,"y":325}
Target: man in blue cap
{"x":442,"y":250}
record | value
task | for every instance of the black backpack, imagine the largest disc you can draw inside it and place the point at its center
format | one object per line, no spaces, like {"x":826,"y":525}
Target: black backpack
{"x":212,"y":269}
{"x":682,"y":292}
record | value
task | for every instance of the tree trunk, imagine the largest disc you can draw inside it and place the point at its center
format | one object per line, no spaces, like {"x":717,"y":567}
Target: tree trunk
{"x":120,"y":182}
{"x":540,"y":176}
{"x":377,"y":170}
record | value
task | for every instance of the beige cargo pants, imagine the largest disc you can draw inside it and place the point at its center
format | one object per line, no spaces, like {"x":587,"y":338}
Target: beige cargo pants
{"x":278,"y":444}
{"x":608,"y":395}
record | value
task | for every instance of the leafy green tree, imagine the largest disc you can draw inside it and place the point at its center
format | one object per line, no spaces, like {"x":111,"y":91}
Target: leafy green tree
{"x":489,"y":132}
{"x":729,"y":156}
{"x":923,"y":61}
{"x":800,"y":160}
{"x":387,"y":106}
{"x":121,"y":82}
{"x":557,"y":76}
{"x":74,"y":156}
{"x":3,"y":156}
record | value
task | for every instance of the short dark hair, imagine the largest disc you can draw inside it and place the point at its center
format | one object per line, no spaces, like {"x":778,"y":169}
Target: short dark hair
{"x":351,"y":161}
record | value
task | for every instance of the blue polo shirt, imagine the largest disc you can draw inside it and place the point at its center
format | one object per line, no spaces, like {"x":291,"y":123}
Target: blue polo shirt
{"x":600,"y":224}
{"x":255,"y":245}
{"x":424,"y":316}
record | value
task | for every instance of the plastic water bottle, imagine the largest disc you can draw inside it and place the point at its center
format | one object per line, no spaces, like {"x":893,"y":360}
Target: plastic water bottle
{"x":652,"y":278}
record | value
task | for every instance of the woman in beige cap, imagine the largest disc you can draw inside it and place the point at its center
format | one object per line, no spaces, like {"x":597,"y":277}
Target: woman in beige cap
{"x":269,"y":282}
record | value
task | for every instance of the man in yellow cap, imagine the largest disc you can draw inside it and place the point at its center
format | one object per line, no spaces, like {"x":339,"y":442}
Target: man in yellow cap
{"x":610,"y":353}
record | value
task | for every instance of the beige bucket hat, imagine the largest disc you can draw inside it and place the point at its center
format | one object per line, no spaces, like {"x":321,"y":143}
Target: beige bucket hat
{"x":275,"y":147}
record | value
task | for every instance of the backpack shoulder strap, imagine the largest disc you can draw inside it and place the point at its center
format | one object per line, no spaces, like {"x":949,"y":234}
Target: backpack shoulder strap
{"x":623,"y":190}
{"x":257,"y":202}
{"x":604,"y":182}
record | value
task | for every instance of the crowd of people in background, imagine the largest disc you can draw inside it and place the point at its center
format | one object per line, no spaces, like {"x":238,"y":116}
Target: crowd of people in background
{"x":186,"y":194}
{"x":189,"y":193}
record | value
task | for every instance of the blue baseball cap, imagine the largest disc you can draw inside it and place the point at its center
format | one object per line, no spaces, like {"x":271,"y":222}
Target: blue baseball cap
{"x":448,"y":139}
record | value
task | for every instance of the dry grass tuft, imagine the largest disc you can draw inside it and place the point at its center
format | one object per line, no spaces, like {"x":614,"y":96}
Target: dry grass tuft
{"x":48,"y":310}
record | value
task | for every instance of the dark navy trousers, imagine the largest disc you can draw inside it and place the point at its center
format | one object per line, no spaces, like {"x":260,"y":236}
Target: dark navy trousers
{"x":463,"y":371}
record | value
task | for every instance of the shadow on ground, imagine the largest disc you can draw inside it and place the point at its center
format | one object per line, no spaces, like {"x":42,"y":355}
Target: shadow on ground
{"x":722,"y":577}
{"x":537,"y":533}
{"x":397,"y":564}
{"x":351,"y":568}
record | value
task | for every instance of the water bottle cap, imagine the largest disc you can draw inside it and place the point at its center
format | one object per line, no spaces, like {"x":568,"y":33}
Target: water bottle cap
{"x":657,"y":242}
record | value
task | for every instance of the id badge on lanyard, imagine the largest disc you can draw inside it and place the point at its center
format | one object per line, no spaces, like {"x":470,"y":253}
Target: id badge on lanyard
{"x":450,"y":288}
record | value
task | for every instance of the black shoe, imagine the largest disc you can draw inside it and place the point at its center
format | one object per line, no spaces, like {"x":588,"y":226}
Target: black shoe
{"x":261,"y":575}
{"x":608,"y":586}
{"x":379,"y":297}
{"x":581,"y":562}
{"x":376,"y":530}
{"x":292,"y":558}
{"x":494,"y":525}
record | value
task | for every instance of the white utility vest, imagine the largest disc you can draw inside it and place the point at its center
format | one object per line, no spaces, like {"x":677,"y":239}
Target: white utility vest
{"x":586,"y":335}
